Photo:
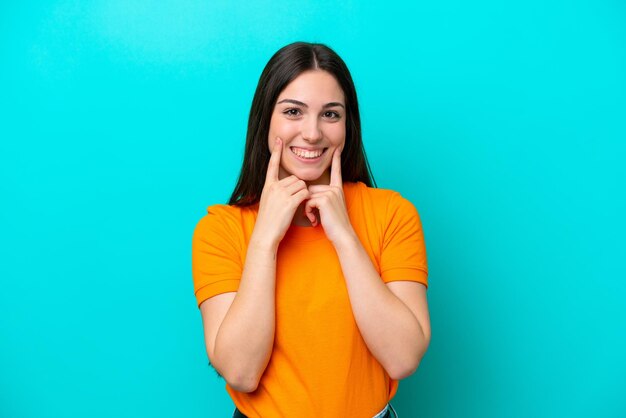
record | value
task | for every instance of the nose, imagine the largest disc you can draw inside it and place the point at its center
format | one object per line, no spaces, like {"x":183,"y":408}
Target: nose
{"x":311,"y":131}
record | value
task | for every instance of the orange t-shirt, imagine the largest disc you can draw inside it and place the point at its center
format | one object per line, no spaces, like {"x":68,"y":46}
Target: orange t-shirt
{"x":320,"y":365}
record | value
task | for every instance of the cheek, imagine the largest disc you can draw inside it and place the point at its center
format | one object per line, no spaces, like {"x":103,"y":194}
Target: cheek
{"x":283,"y":128}
{"x":337,"y":135}
{"x":273,"y":132}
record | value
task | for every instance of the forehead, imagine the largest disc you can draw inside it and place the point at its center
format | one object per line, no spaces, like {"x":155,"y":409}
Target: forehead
{"x":312,"y":87}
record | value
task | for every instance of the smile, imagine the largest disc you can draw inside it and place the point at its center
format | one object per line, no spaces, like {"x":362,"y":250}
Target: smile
{"x":307,"y":154}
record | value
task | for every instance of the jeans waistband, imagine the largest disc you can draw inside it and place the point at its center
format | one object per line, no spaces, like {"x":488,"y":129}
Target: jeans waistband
{"x":382,"y":413}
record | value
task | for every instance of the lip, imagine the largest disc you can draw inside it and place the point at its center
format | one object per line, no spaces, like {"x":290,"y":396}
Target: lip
{"x":308,"y":160}
{"x":308,"y":148}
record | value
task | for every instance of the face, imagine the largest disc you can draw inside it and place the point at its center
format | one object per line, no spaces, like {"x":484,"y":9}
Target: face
{"x":309,"y":117}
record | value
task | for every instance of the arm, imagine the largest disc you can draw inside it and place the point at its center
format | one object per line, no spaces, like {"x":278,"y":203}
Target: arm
{"x":392,"y":318}
{"x":239,"y":326}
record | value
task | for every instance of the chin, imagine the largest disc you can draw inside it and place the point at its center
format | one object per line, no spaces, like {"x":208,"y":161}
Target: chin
{"x":310,"y":178}
{"x":308,"y":175}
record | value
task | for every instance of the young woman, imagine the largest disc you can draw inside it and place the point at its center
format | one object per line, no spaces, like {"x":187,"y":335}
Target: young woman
{"x":311,"y":283}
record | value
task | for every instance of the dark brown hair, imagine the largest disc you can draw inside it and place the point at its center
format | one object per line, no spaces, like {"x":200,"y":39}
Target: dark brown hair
{"x":284,"y":66}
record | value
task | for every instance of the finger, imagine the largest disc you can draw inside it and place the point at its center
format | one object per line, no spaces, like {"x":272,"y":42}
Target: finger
{"x":300,"y":197}
{"x":312,"y":218}
{"x":274,"y":164}
{"x":288,"y":181}
{"x":335,"y":169}
{"x":296,"y":186}
{"x":309,"y":211}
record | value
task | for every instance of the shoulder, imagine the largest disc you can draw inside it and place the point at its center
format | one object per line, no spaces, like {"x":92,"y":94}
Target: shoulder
{"x":226,"y":219}
{"x":383,"y":201}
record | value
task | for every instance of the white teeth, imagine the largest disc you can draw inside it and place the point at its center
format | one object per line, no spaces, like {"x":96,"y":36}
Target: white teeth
{"x":307,"y":154}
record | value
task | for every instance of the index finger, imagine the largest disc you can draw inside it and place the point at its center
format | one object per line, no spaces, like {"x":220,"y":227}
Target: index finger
{"x":335,"y":169}
{"x":274,"y":164}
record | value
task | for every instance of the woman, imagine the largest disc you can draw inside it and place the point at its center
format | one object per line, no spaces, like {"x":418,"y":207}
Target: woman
{"x":311,"y":283}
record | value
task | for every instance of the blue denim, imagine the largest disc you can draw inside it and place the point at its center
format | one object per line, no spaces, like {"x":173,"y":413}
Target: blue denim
{"x":386,"y":412}
{"x":238,"y":414}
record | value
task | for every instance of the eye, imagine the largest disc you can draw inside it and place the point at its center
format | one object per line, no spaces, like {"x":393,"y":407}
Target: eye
{"x":292,"y":111}
{"x":331,"y":114}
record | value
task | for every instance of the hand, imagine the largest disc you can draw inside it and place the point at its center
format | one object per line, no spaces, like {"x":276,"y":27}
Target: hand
{"x":279,"y":201}
{"x":331,"y":204}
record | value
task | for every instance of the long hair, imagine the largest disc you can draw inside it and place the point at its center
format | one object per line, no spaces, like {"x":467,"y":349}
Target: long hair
{"x":284,"y":66}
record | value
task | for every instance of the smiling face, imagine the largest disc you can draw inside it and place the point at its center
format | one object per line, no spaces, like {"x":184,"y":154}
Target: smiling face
{"x":309,"y":117}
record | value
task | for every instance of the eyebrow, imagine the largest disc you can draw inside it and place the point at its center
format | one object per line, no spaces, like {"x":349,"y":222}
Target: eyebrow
{"x":299,"y":103}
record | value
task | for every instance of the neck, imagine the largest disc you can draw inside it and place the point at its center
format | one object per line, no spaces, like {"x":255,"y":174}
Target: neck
{"x":299,"y":218}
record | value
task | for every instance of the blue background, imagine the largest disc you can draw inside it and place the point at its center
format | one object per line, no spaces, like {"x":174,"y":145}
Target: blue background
{"x":503,"y":122}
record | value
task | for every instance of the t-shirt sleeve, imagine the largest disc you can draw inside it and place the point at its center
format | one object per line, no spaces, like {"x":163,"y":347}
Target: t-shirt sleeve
{"x":403,"y":254}
{"x":215,"y":255}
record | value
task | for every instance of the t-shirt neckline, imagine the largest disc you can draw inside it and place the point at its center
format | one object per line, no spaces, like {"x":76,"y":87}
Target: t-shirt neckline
{"x":315,"y":233}
{"x":304,"y":233}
